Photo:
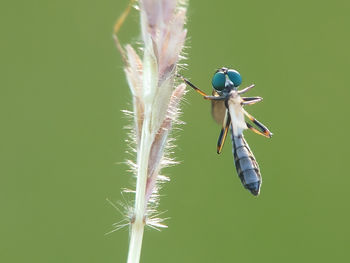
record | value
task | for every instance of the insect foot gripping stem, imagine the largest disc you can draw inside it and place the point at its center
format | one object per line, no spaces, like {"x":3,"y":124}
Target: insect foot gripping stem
{"x":246,"y":165}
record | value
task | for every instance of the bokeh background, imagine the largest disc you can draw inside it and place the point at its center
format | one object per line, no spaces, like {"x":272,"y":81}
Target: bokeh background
{"x":62,"y":137}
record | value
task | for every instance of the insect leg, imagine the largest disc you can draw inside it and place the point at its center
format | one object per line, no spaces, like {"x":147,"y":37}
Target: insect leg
{"x":256,"y":130}
{"x":192,"y":86}
{"x":251,"y":100}
{"x":262,"y":129}
{"x":246,"y":89}
{"x":117,"y":27}
{"x":223,"y":133}
{"x":215,"y":97}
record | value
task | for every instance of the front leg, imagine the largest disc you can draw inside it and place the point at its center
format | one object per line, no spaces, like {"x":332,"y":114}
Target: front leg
{"x":193,"y":86}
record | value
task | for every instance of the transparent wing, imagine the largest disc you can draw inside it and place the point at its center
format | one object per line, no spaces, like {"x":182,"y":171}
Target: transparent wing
{"x":218,"y":109}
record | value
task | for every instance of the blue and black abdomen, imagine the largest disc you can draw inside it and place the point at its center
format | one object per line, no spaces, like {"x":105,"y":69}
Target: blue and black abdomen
{"x":246,"y":165}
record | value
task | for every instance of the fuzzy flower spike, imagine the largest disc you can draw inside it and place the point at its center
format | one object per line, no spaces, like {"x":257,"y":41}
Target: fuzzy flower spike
{"x":155,"y":104}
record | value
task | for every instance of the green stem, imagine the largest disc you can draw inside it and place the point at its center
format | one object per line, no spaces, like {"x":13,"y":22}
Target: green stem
{"x":138,"y":222}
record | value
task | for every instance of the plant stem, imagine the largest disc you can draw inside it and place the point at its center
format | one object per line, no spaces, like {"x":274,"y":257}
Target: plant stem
{"x":137,"y":226}
{"x":135,"y":242}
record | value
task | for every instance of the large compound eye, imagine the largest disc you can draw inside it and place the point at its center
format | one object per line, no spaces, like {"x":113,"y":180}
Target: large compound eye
{"x":235,"y":77}
{"x":218,"y":81}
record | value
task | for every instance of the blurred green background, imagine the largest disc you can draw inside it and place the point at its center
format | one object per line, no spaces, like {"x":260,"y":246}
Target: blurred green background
{"x":62,"y":137}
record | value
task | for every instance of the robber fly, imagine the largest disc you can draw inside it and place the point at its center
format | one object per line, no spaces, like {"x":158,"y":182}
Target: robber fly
{"x":227,"y":109}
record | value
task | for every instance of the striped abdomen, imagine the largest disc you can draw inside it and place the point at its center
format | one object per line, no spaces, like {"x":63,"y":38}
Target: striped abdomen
{"x":246,"y":165}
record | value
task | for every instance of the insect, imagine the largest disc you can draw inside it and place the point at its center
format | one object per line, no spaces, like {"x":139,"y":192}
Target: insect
{"x":227,"y":109}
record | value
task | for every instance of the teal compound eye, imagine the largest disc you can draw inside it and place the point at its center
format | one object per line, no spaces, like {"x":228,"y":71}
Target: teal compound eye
{"x":218,"y":81}
{"x":235,"y":77}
